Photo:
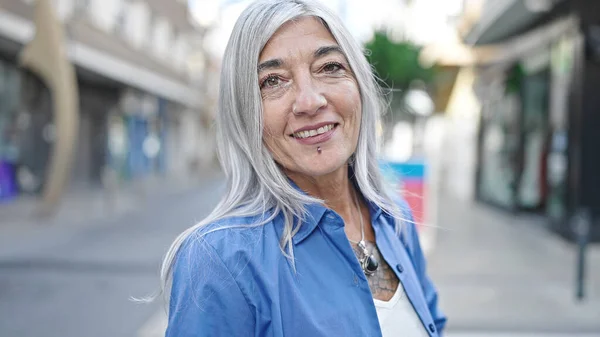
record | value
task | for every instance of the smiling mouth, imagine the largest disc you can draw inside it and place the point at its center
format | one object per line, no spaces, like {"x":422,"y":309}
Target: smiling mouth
{"x":315,"y":132}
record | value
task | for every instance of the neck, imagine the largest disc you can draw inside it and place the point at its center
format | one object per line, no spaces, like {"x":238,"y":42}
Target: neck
{"x":335,"y":189}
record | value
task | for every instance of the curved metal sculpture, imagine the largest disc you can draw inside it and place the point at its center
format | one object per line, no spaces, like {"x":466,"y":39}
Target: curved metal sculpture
{"x":46,"y":56}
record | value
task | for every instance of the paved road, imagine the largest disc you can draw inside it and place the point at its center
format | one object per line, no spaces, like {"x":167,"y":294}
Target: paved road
{"x":76,"y":281}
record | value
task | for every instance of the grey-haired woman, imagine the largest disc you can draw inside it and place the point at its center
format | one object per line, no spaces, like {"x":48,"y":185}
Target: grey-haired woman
{"x":305,"y":241}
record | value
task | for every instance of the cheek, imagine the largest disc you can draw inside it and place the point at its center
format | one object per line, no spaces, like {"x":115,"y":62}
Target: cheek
{"x":269,"y":133}
{"x":348,"y":91}
{"x":273,"y":124}
{"x":354,"y":110}
{"x":354,"y":97}
{"x":351,"y":100}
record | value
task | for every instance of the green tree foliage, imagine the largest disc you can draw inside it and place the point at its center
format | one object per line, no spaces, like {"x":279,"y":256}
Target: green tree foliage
{"x":396,"y":63}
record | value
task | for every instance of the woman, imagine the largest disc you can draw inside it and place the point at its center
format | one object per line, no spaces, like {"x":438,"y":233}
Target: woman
{"x":305,"y":242}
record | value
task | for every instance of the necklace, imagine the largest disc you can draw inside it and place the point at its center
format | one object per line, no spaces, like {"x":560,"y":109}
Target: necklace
{"x":367,"y":262}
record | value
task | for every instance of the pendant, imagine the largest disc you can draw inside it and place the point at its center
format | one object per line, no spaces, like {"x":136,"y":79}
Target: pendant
{"x":368,"y":263}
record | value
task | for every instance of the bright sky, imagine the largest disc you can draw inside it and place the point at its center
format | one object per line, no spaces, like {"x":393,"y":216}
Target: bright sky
{"x":361,"y":17}
{"x":425,"y":21}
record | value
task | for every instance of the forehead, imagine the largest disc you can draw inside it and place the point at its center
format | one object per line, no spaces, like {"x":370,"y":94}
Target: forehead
{"x":304,"y":34}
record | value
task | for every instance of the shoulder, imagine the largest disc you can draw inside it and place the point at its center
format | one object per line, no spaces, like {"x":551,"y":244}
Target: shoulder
{"x":205,"y":287}
{"x":222,"y":242}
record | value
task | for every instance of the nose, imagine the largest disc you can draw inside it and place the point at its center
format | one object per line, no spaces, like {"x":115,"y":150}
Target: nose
{"x":308,"y":98}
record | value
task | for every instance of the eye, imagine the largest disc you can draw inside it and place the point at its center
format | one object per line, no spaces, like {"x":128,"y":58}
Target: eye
{"x":332,"y":67}
{"x":270,"y":81}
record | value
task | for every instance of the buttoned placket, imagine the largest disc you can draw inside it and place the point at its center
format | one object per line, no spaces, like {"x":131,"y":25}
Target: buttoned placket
{"x":398,"y":262}
{"x":359,"y":279}
{"x":394,"y":259}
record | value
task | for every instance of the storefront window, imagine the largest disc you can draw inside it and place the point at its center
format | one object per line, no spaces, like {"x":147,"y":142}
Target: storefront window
{"x":532,"y":191}
{"x":144,"y":132}
{"x":500,"y":146}
{"x":9,"y":150}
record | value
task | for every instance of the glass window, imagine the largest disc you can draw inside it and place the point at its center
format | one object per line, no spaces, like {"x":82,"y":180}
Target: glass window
{"x":500,"y":146}
{"x":10,"y":83}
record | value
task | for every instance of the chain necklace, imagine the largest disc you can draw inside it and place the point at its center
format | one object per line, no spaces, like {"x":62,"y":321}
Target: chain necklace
{"x":367,"y":262}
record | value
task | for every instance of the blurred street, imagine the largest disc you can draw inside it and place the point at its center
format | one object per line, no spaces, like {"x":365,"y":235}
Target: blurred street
{"x":505,"y":274}
{"x":76,"y":279}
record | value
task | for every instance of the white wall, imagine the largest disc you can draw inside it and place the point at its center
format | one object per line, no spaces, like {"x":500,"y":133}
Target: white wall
{"x":64,"y":8}
{"x":137,"y":26}
{"x":459,"y":152}
{"x":104,"y":13}
{"x":142,"y":28}
{"x":161,"y":37}
{"x":180,"y":50}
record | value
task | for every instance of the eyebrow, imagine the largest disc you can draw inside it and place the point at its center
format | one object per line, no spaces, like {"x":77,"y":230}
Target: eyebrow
{"x":270,"y":64}
{"x":326,"y":50}
{"x":320,"y":52}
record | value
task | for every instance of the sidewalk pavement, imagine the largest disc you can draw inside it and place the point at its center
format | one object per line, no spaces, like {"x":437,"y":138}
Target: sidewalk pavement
{"x":509,"y":275}
{"x":18,"y":219}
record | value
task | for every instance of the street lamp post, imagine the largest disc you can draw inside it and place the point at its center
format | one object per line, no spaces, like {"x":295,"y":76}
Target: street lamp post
{"x":582,"y":232}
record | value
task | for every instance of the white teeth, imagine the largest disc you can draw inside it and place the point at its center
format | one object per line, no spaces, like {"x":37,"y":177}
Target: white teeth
{"x":312,"y":133}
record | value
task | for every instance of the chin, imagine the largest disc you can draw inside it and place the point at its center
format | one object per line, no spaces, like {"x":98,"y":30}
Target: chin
{"x":315,"y":171}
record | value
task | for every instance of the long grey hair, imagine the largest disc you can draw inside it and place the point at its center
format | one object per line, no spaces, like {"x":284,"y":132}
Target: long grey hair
{"x":256,"y":185}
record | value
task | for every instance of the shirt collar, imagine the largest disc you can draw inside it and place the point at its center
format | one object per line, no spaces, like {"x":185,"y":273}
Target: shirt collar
{"x":314,"y":213}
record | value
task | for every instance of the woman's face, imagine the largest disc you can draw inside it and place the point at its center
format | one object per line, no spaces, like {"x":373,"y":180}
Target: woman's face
{"x":310,"y":99}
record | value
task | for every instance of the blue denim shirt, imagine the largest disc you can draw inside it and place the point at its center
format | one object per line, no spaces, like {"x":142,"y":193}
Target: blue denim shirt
{"x":237,"y":282}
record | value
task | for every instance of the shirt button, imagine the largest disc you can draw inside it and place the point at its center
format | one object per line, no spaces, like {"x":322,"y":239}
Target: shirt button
{"x":432,"y":328}
{"x":355,"y":279}
{"x":399,"y":268}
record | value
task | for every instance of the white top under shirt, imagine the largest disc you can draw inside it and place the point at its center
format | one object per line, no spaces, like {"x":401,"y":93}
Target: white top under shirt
{"x":397,"y":317}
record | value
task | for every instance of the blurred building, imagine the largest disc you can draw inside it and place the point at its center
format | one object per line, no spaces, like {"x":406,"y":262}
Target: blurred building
{"x":140,"y":113}
{"x":535,"y":70}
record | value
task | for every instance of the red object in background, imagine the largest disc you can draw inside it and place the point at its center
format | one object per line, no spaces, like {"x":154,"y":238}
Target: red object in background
{"x":413,"y":192}
{"x":410,"y":178}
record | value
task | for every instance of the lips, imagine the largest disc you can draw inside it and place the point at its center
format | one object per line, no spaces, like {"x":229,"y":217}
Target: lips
{"x":315,"y":134}
{"x":313,"y":130}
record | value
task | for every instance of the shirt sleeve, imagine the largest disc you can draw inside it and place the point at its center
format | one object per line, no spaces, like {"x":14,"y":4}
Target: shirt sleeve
{"x":205,"y":298}
{"x":418,"y":258}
